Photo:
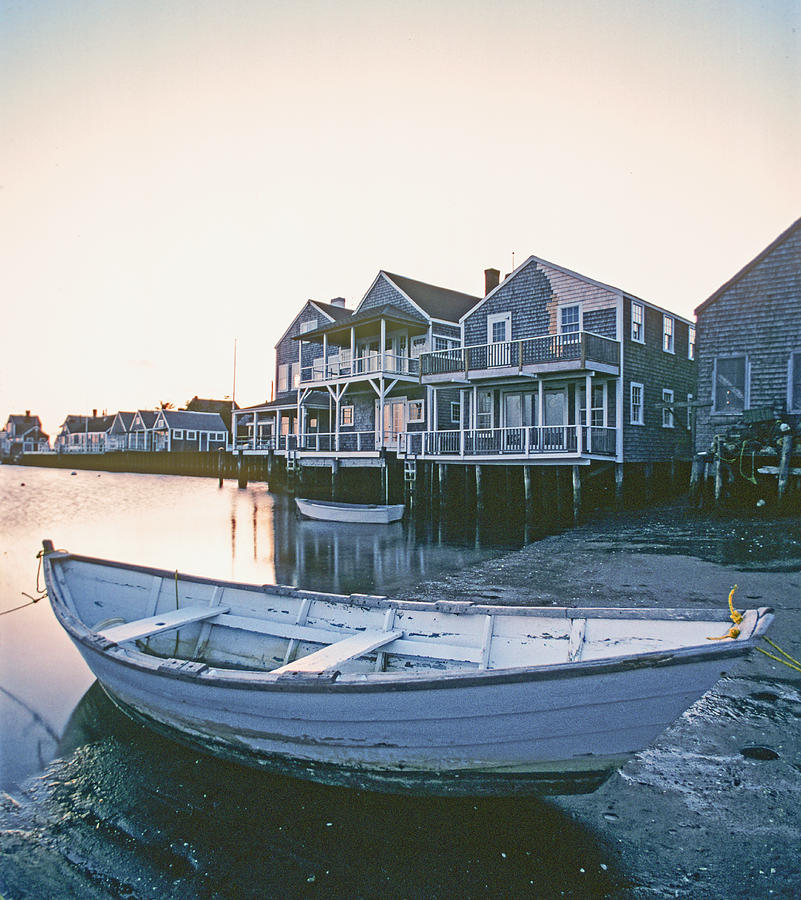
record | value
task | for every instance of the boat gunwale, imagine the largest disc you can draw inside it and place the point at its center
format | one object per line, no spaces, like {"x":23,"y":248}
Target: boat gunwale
{"x":335,"y":504}
{"x":253,"y":679}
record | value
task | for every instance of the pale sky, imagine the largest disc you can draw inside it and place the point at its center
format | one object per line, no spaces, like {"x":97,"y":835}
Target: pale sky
{"x":178,"y":174}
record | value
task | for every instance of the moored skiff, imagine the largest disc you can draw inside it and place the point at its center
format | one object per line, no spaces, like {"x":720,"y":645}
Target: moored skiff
{"x":357,"y":513}
{"x":364,"y":691}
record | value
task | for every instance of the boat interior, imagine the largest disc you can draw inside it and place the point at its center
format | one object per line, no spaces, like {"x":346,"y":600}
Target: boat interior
{"x":289,"y":631}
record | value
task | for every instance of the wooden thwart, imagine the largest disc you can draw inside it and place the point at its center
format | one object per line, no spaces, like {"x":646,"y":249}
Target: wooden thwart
{"x":334,"y":654}
{"x":142,"y":628}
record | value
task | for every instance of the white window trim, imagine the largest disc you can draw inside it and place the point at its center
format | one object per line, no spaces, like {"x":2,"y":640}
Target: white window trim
{"x":668,"y":418}
{"x":790,"y":373}
{"x":191,"y":435}
{"x":505,"y":317}
{"x":672,"y":319}
{"x":342,"y":411}
{"x":746,"y":390}
{"x":641,"y":306}
{"x":309,"y":325}
{"x":565,"y":306}
{"x":178,"y":434}
{"x":641,"y":419}
{"x":456,"y":406}
{"x":692,"y":337}
{"x":418,"y":405}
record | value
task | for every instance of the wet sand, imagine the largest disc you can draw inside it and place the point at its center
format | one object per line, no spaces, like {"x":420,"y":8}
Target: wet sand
{"x":711,"y":810}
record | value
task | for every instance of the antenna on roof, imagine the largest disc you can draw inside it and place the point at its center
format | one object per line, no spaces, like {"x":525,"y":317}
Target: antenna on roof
{"x":513,"y":260}
{"x":233,"y":390}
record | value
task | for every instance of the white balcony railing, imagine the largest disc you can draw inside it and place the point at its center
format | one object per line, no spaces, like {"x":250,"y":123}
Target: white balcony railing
{"x":580,"y":347}
{"x":370,"y":364}
{"x":531,"y":440}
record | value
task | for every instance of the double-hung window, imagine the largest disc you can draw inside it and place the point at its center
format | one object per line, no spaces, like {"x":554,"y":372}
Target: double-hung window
{"x":731,"y":384}
{"x":637,"y":322}
{"x":569,"y":319}
{"x":346,"y":416}
{"x":415,"y":411}
{"x":667,"y":408}
{"x":668,"y":329}
{"x":637,"y":398}
{"x":691,"y":342}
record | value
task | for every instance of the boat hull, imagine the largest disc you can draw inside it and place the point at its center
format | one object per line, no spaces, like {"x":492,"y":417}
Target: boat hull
{"x":353,"y":513}
{"x":516,"y":735}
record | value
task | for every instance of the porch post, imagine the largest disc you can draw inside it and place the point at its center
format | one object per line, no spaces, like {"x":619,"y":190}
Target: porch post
{"x":540,"y":404}
{"x":255,"y":426}
{"x":381,"y":407}
{"x":325,"y":358}
{"x":576,"y":493}
{"x":383,"y":348}
{"x":588,"y":389}
{"x":352,"y":350}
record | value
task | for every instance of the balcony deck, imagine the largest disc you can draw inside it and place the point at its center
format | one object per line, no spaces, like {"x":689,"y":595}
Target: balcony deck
{"x":576,"y":351}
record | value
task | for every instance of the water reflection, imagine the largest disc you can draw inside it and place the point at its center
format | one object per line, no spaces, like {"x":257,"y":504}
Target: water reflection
{"x":160,"y":816}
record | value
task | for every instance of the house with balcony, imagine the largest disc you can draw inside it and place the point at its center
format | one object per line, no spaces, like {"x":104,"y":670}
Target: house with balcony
{"x":273,"y":425}
{"x":555,"y":368}
{"x":348,"y":383}
{"x":749,"y":344}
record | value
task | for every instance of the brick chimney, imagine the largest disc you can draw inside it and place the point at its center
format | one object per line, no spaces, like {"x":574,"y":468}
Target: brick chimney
{"x":338,"y":301}
{"x":492,"y":278}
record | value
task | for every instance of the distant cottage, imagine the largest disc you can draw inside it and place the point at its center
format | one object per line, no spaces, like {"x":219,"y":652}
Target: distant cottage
{"x":23,"y":434}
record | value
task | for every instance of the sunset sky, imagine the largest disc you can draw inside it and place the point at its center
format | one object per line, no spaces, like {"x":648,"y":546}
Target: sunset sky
{"x":177,"y":175}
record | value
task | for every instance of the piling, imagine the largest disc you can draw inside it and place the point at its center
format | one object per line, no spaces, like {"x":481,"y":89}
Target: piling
{"x":784,"y":465}
{"x":241,"y":472}
{"x":576,"y":493}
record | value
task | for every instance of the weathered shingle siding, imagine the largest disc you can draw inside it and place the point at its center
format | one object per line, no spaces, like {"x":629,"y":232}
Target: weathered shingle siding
{"x":286,"y":351}
{"x":527,"y":296}
{"x":601,"y":321}
{"x":759,"y":315}
{"x":534,"y":296}
{"x":648,"y":364}
{"x":449,"y":331}
{"x":383,"y":293}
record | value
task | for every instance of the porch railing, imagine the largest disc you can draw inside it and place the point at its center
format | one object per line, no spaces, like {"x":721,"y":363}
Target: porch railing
{"x":579,"y":346}
{"x":331,"y":442}
{"x":531,"y":440}
{"x":372,"y":363}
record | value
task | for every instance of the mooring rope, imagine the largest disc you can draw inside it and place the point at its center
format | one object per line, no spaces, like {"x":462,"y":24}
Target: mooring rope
{"x":793,"y":664}
{"x":40,"y":590}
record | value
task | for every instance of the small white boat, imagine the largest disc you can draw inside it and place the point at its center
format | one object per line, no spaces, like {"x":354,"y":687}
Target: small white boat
{"x":365,"y":513}
{"x":364,"y":691}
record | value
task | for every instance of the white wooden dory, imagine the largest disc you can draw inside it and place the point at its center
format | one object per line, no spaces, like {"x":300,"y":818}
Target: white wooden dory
{"x":364,"y":513}
{"x":390,"y":695}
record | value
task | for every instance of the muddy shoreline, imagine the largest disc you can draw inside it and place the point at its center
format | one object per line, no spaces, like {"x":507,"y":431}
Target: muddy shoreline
{"x":711,"y":810}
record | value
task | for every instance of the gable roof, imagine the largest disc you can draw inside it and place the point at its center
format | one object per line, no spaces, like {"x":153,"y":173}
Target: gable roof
{"x":125,"y":419}
{"x":436,"y":302}
{"x":333,"y":313}
{"x":392,"y":314}
{"x":78,"y":424}
{"x":197,"y":421}
{"x":147,"y":417}
{"x":748,"y":266}
{"x":28,"y":421}
{"x":586,"y":279}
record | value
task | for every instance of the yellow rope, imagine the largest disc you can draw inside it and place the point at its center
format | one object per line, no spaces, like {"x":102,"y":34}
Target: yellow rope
{"x":793,"y":664}
{"x":736,"y":617}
